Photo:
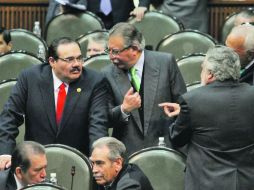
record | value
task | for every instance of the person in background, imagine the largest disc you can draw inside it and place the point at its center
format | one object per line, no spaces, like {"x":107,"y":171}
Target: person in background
{"x":5,"y":41}
{"x":111,"y":169}
{"x":192,"y":13}
{"x":138,"y":80}
{"x":60,"y":102}
{"x":241,"y":40}
{"x":29,"y":164}
{"x":97,"y":43}
{"x":216,"y":121}
{"x":244,"y":16}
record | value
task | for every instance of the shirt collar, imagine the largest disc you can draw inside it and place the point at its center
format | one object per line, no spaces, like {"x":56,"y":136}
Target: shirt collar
{"x":19,"y":184}
{"x":57,"y":81}
{"x":139,"y":65}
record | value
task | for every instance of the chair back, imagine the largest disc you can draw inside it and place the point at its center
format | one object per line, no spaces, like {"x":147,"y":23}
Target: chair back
{"x":43,"y":186}
{"x":83,"y":40}
{"x":227,"y":26}
{"x":27,"y":41}
{"x":72,"y":25}
{"x":12,"y":63}
{"x":97,"y":62}
{"x":193,"y":85}
{"x":186,"y":42}
{"x":72,"y":168}
{"x":5,"y":91}
{"x":164,"y":167}
{"x":190,"y":67}
{"x":155,"y":25}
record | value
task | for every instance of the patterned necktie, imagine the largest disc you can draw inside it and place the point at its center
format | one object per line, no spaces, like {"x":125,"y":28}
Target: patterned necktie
{"x":60,"y":103}
{"x":135,"y":79}
{"x":105,"y":6}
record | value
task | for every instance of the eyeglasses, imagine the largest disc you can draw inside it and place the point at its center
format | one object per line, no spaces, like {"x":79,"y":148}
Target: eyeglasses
{"x":72,"y":60}
{"x":116,"y":51}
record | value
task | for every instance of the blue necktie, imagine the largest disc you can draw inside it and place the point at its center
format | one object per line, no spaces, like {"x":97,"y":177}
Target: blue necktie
{"x":105,"y":6}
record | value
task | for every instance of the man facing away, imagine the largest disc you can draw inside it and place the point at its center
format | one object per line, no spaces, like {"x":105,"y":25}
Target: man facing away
{"x":139,"y":80}
{"x":111,"y":170}
{"x":61,"y":102}
{"x":216,"y":120}
{"x":29,"y":164}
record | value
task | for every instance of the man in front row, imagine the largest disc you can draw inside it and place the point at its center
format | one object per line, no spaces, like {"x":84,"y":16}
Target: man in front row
{"x":29,"y":164}
{"x":216,"y":120}
{"x":110,"y":168}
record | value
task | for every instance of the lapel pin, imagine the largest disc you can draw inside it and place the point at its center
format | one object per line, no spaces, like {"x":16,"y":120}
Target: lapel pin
{"x":78,"y":90}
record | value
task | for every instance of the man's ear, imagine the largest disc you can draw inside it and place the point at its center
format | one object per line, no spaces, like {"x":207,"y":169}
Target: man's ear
{"x":52,"y":62}
{"x":118,"y":164}
{"x":210,"y":77}
{"x":18,"y":172}
{"x":9,"y":45}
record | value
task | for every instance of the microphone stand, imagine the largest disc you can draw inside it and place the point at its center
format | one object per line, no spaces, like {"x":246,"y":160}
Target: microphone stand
{"x":73,"y":170}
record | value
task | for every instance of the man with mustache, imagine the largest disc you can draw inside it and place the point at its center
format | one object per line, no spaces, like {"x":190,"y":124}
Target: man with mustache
{"x":136,"y":119}
{"x":60,"y":102}
{"x":111,"y":169}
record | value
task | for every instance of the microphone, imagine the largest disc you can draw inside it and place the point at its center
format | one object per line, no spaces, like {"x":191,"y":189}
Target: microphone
{"x":73,"y":171}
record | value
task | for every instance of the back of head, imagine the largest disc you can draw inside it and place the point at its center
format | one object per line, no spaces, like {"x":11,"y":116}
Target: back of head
{"x":20,"y":155}
{"x":223,"y":63}
{"x":116,"y":147}
{"x":130,"y":34}
{"x":245,"y":16}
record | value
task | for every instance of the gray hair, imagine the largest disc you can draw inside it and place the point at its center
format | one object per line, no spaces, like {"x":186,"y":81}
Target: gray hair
{"x":130,"y":34}
{"x":20,"y":156}
{"x":116,"y":148}
{"x":100,"y":37}
{"x":223,"y":63}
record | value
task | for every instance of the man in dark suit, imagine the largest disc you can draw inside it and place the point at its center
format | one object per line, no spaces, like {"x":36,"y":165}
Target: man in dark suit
{"x":111,"y":169}
{"x":29,"y":164}
{"x":120,"y":10}
{"x":216,"y":120}
{"x":61,"y":102}
{"x":135,"y":116}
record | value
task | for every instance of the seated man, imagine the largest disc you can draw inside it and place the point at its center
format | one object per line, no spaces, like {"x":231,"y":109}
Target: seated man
{"x":110,"y":167}
{"x":5,"y":41}
{"x":28,"y":167}
{"x":241,"y":40}
{"x":97,"y":43}
{"x":245,"y":16}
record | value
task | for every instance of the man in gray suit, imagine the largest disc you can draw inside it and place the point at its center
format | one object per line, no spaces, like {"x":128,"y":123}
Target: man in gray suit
{"x":192,"y":13}
{"x":216,"y":120}
{"x":139,"y":81}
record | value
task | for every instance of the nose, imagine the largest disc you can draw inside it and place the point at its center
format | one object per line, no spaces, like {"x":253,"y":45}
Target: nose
{"x":43,"y":173}
{"x":95,"y":169}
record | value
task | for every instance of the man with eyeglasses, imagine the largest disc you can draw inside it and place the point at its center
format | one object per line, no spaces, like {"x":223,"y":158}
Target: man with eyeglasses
{"x":139,"y":81}
{"x":60,"y":102}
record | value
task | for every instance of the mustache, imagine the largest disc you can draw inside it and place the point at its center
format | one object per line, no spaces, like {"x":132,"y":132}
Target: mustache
{"x":75,"y":69}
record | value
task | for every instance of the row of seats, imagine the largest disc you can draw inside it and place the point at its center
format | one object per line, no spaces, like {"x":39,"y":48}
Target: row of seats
{"x":164,"y":167}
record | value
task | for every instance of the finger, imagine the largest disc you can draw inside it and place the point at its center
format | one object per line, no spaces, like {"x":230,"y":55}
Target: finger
{"x":130,"y":91}
{"x":8,"y":164}
{"x":164,"y":104}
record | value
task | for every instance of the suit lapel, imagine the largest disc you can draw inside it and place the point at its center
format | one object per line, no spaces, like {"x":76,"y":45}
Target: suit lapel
{"x":151,"y":78}
{"x":123,"y":84}
{"x":47,"y":92}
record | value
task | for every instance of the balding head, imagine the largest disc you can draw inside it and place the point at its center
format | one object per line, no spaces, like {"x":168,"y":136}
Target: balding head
{"x":241,"y":39}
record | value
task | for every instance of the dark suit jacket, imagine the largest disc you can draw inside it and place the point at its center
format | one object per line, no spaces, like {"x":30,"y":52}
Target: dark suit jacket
{"x":217,"y":122}
{"x":84,"y":117}
{"x":120,"y":8}
{"x":130,"y":177}
{"x":162,"y":82}
{"x":7,"y":180}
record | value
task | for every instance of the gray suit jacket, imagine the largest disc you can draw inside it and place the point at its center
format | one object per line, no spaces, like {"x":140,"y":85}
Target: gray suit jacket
{"x":162,"y":83}
{"x":192,"y":13}
{"x":217,"y":122}
{"x":84,"y":117}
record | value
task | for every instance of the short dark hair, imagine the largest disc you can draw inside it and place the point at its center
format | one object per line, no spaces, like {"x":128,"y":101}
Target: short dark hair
{"x":20,"y":155}
{"x":57,"y":42}
{"x":6,"y":35}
